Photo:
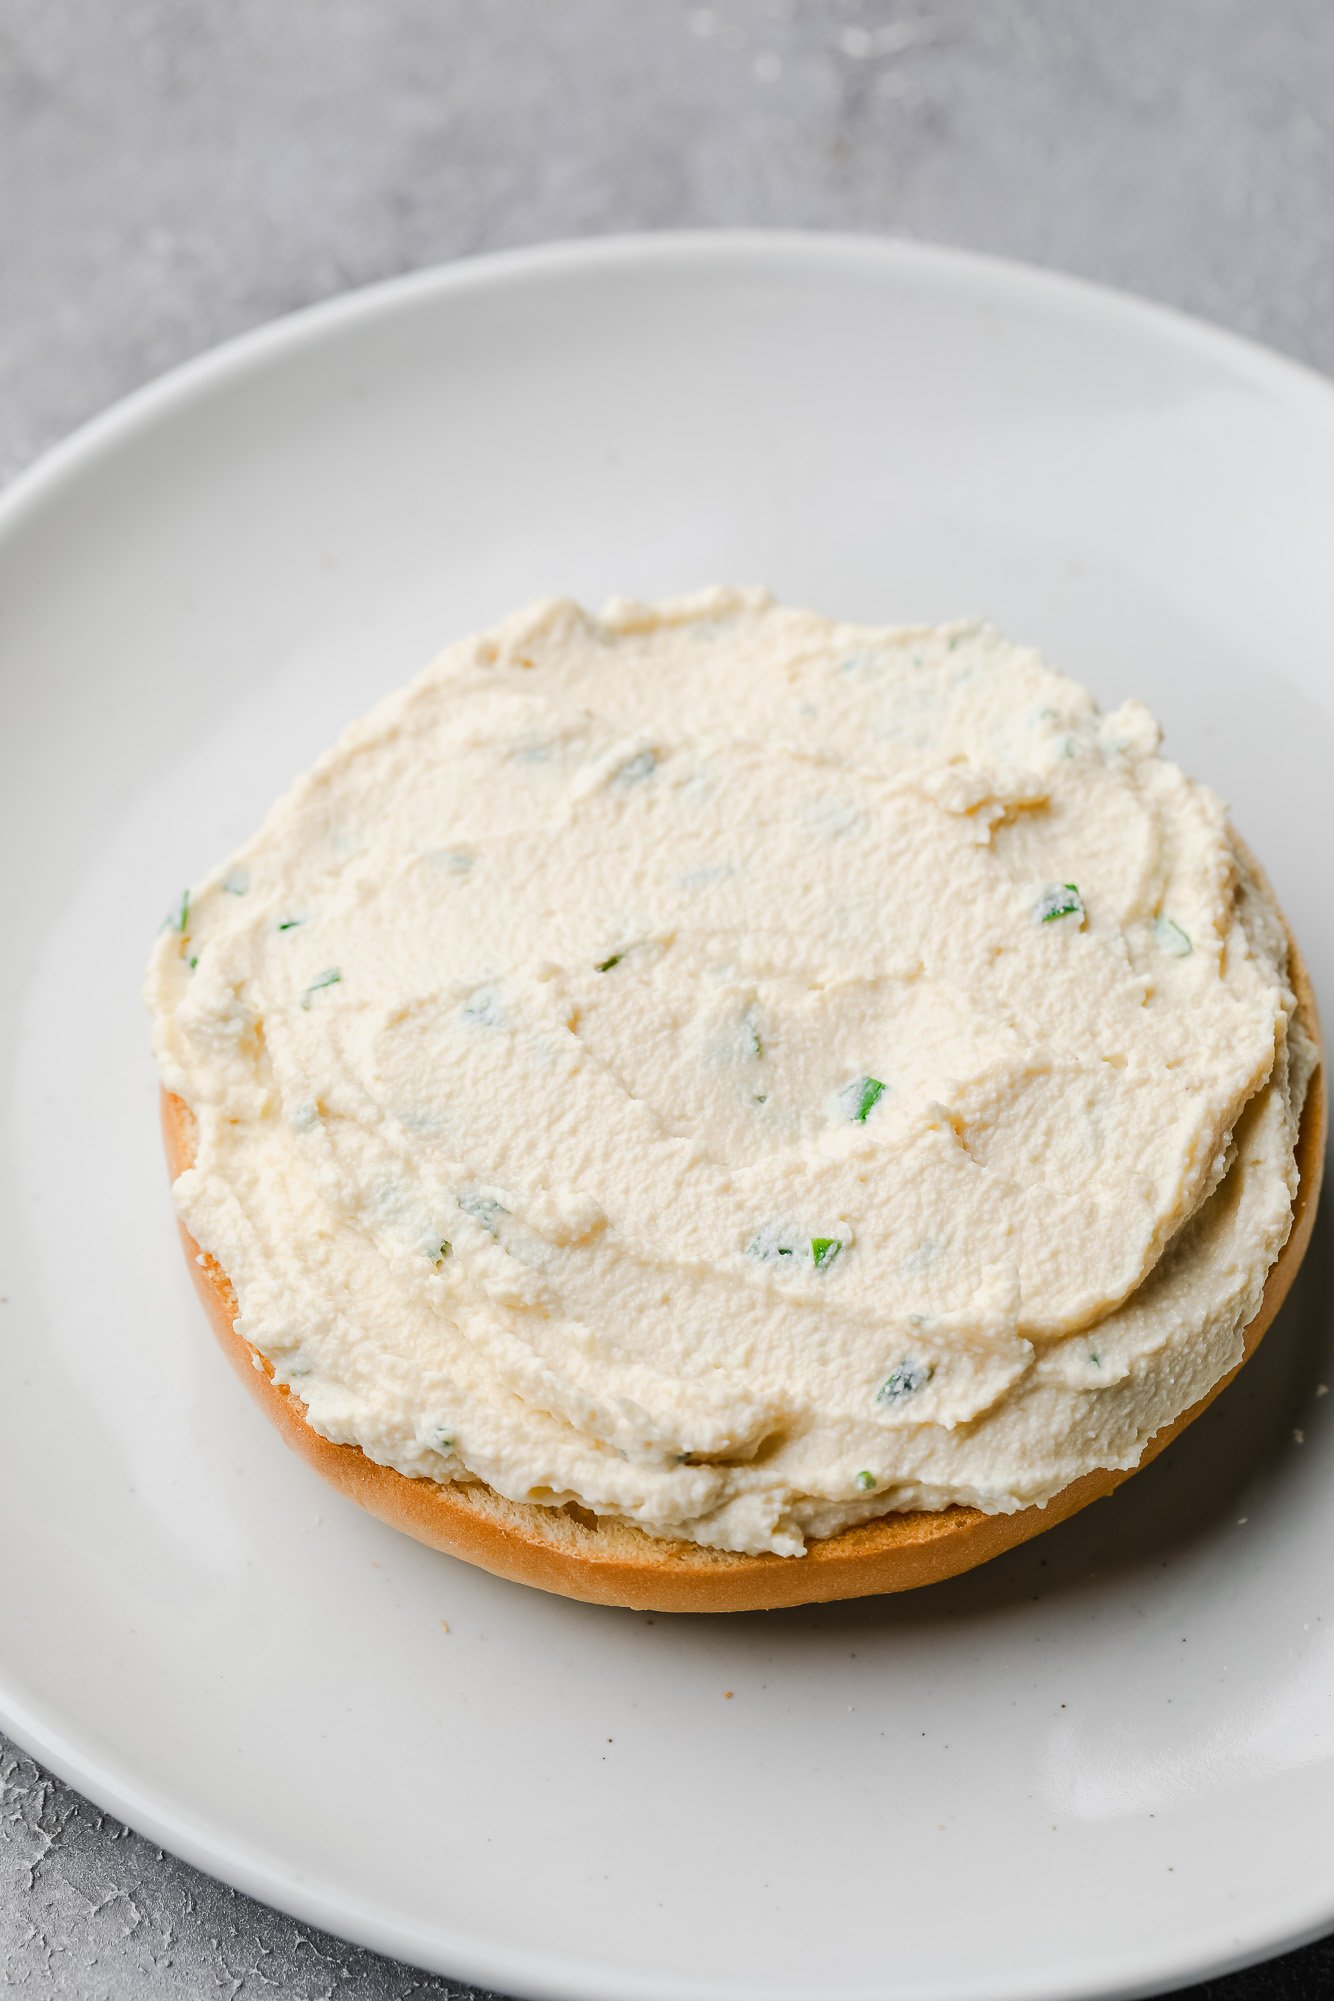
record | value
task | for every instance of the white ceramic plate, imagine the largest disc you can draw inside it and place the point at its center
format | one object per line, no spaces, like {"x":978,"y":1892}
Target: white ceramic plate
{"x":1100,"y":1767}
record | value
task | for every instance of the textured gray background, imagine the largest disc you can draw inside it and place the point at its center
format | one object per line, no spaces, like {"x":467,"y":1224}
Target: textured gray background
{"x":172,"y":171}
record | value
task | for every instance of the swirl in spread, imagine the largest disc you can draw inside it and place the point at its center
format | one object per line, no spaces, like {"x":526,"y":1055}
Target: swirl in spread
{"x":739,"y":1073}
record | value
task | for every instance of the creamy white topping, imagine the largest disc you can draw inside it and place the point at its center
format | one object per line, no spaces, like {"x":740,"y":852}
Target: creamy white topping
{"x":739,"y":1073}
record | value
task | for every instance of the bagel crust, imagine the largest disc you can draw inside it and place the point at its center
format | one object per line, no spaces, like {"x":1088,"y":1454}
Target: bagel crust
{"x":569,"y":1550}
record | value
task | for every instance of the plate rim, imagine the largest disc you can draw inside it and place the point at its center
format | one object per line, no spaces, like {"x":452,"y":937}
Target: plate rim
{"x":548,"y":1976}
{"x":529,"y":1976}
{"x":254,"y":345}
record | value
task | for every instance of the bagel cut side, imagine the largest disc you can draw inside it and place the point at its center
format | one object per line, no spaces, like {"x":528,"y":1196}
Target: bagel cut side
{"x":569,"y":1550}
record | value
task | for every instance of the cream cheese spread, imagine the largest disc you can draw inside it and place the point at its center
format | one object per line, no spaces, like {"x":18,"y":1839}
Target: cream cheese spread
{"x":739,"y":1073}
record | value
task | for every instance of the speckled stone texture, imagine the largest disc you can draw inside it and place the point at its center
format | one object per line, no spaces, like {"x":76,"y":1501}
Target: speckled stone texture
{"x":172,"y":171}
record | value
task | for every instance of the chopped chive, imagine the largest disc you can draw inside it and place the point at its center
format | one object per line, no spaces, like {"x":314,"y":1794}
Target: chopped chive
{"x":290,"y":923}
{"x":866,"y":1481}
{"x":1172,"y":938}
{"x":1062,"y":900}
{"x":605,"y":965}
{"x":871,"y":1092}
{"x":329,"y":979}
{"x":446,"y":1250}
{"x":483,"y":1209}
{"x":484,"y":1009}
{"x":904,"y":1382}
{"x":860,"y":1097}
{"x":767,"y":1244}
{"x":641,"y":766}
{"x":193,"y":962}
{"x":753,"y":1040}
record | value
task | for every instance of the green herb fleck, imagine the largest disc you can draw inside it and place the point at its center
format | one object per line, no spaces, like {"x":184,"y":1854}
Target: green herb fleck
{"x":483,"y":1008}
{"x":446,"y":1250}
{"x":768,"y":1244}
{"x":236,"y":882}
{"x":1062,"y":900}
{"x":860,"y":1097}
{"x":641,"y":766}
{"x":866,"y":1481}
{"x":442,"y":1440}
{"x":291,"y":923}
{"x":178,"y":918}
{"x":1095,"y":1358}
{"x":193,"y":962}
{"x":905,"y":1381}
{"x":1172,"y":938}
{"x":483,"y":1209}
{"x":605,"y":965}
{"x":753,"y":1040}
{"x":329,"y":979}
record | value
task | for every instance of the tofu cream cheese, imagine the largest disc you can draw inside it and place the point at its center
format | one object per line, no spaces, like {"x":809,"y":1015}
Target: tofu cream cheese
{"x":739,"y":1073}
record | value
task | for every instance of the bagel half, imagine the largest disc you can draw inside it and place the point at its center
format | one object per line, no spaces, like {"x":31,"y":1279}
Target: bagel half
{"x":607,"y":1562}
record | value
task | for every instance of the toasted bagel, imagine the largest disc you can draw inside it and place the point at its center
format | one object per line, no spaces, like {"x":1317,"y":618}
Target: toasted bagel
{"x":568,"y":1550}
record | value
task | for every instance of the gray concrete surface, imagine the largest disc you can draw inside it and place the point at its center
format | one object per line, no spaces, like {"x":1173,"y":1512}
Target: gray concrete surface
{"x":172,"y":171}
